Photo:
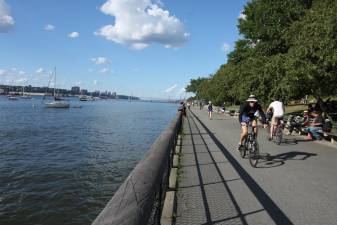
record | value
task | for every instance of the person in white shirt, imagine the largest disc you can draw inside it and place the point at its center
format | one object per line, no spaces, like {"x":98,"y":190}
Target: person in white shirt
{"x":277,"y":108}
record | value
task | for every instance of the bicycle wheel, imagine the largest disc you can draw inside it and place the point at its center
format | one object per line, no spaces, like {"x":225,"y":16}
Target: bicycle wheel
{"x":244,"y":148}
{"x":254,"y":154}
{"x":278,"y":135}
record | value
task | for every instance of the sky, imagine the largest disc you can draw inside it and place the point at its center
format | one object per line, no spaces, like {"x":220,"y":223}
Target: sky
{"x":147,"y":48}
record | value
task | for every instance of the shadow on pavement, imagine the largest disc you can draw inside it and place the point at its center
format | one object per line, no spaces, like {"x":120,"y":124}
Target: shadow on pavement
{"x":270,"y":161}
{"x":294,"y":155}
{"x":268,"y":204}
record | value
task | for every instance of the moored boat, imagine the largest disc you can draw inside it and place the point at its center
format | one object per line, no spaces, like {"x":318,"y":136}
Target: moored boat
{"x":58,"y":104}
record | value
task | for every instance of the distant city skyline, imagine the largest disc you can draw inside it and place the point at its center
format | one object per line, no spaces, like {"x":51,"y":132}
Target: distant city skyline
{"x":150,"y":48}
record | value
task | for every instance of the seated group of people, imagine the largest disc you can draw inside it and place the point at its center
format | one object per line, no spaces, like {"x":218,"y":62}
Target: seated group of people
{"x":316,"y":123}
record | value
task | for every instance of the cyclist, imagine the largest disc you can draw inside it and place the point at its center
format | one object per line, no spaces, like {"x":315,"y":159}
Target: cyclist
{"x":277,"y":108}
{"x":249,"y":111}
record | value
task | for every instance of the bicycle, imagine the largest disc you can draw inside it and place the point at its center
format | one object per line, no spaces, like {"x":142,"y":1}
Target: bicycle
{"x":277,"y":132}
{"x":251,"y":145}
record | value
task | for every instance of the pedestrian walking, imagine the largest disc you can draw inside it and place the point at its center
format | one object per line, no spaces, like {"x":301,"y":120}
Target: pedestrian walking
{"x":210,"y":109}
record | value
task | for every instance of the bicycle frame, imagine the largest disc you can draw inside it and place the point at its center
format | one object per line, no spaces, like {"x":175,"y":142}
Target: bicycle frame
{"x":276,"y":132}
{"x":250,"y":145}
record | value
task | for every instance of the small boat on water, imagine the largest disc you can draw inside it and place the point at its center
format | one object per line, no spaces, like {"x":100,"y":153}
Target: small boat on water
{"x":85,"y":98}
{"x":25,"y":95}
{"x":57,"y":103}
{"x":12,"y":98}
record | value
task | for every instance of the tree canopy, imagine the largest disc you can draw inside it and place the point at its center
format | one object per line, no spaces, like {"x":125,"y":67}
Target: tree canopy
{"x":288,"y":50}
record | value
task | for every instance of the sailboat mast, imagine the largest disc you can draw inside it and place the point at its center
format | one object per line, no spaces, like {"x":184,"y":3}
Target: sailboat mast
{"x":54,"y":80}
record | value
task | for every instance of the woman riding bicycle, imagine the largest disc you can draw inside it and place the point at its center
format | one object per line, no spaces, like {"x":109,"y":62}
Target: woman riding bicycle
{"x":248,"y":113}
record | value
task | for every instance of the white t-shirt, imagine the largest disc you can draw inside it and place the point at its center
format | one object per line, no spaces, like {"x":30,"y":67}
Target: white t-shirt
{"x":277,"y":108}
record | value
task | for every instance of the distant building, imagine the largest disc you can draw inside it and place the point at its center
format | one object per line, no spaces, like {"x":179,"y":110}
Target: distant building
{"x":75,"y":90}
{"x":96,"y":93}
{"x":84,"y":91}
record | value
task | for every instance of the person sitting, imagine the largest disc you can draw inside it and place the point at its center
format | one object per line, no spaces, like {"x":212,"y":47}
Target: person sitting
{"x":315,"y":129}
{"x":310,"y":109}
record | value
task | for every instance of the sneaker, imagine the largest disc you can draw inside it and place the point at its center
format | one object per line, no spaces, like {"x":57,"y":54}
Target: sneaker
{"x":240,"y":146}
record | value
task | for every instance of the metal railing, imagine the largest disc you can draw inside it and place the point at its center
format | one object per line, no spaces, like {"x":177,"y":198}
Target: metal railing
{"x":139,"y":200}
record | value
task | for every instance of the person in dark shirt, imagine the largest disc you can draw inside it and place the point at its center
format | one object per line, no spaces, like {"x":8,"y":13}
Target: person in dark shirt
{"x":249,"y":111}
{"x":182,"y":108}
{"x":210,"y":109}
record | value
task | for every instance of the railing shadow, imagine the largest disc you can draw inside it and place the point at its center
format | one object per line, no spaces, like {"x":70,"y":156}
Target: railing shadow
{"x":276,"y":214}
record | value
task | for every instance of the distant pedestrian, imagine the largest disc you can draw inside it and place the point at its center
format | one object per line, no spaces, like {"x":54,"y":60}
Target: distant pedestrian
{"x":200,"y":105}
{"x":182,"y":108}
{"x":210,"y":109}
{"x":188,"y":105}
{"x":223,"y":109}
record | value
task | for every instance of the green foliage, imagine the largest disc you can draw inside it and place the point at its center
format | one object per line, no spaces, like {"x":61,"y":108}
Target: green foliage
{"x":195,"y":84}
{"x":288,"y":50}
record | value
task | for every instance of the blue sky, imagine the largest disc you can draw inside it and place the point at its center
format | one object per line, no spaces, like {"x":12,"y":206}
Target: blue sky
{"x":148,"y":48}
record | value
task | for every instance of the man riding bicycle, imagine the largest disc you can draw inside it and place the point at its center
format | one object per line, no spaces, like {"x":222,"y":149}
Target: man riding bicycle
{"x":277,"y":108}
{"x":249,"y":112}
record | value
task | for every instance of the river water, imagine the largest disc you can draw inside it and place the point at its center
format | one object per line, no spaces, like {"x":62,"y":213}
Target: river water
{"x":61,"y":166}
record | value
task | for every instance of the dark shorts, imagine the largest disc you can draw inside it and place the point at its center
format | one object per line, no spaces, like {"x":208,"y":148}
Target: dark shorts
{"x":246,"y":119}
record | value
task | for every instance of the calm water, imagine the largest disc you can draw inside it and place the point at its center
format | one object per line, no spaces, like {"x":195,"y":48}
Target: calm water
{"x":61,"y":166}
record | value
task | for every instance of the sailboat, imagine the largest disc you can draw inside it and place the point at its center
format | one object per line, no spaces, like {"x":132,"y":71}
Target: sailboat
{"x":24,"y":95}
{"x":56,"y":103}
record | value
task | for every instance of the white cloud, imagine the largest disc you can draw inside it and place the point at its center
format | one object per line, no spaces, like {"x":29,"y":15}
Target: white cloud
{"x":49,"y":27}
{"x":6,"y":20}
{"x":170,"y":89}
{"x":40,"y":71}
{"x":105,"y":70}
{"x":226,"y":47}
{"x":95,"y":82}
{"x":139,"y":46}
{"x":14,"y":76}
{"x":242,"y":15}
{"x":74,"y":35}
{"x":100,"y":60}
{"x":21,"y":80}
{"x":140,"y":23}
{"x":181,"y":91}
{"x":2,"y":72}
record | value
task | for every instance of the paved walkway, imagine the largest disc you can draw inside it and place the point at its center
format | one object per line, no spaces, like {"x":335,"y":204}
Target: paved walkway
{"x":294,"y":184}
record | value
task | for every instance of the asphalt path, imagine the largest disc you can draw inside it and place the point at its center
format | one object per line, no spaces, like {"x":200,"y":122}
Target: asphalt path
{"x":294,"y":183}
